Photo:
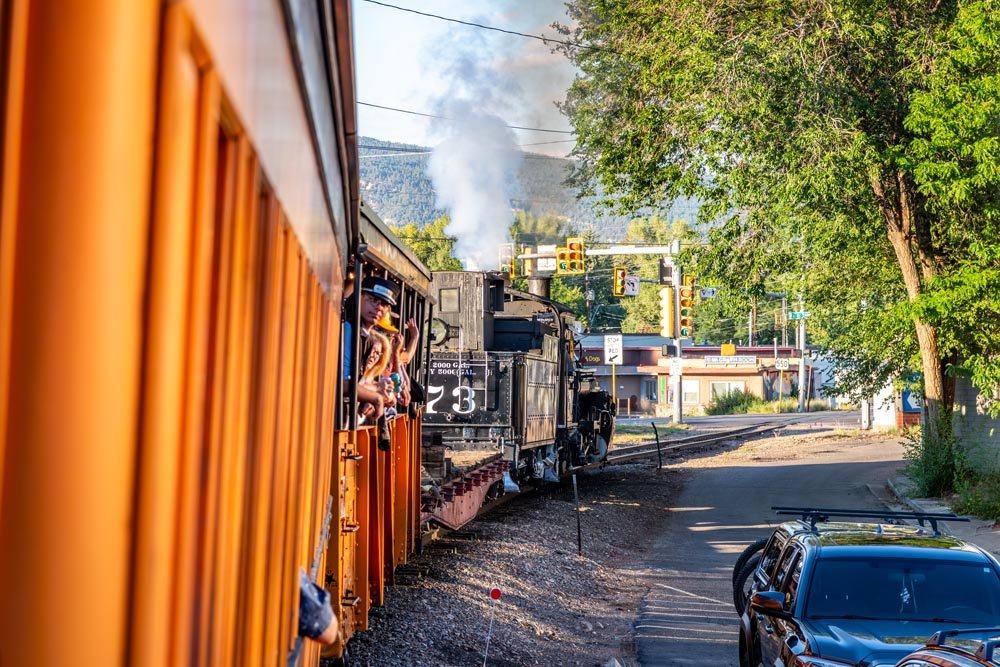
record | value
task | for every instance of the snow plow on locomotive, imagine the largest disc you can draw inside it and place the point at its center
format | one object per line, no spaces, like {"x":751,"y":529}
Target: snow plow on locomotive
{"x":505,"y":394}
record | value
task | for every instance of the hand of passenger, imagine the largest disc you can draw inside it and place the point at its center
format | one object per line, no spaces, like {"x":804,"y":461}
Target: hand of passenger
{"x":385,"y":386}
{"x":412,"y":329}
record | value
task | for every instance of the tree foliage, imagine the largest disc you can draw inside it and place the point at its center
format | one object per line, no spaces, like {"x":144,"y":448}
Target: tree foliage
{"x":534,"y":230}
{"x":845,"y":150}
{"x":431,"y":244}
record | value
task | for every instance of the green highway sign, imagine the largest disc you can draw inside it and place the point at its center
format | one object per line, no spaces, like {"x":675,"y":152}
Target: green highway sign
{"x":798,"y":314}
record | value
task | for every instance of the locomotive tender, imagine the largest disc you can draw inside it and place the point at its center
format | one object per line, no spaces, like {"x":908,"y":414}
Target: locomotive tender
{"x":502,"y":376}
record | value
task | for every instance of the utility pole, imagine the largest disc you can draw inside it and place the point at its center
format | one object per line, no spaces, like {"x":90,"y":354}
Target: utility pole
{"x":678,"y":379}
{"x":802,"y":359}
{"x":589,"y":294}
{"x":784,"y":321}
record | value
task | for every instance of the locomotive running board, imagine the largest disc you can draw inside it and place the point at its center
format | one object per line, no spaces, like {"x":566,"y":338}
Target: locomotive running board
{"x":460,"y":499}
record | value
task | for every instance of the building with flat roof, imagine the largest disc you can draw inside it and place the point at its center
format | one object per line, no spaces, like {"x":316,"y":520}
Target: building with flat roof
{"x":642,"y":383}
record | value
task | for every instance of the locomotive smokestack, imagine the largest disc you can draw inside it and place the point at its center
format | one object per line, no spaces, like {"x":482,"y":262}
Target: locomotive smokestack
{"x":540,"y":285}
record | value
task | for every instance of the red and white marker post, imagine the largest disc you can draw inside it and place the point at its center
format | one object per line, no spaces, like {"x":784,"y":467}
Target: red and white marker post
{"x":495,"y":595}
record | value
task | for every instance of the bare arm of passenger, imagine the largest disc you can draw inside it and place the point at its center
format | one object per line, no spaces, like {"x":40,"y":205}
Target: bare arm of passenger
{"x":413,"y":339}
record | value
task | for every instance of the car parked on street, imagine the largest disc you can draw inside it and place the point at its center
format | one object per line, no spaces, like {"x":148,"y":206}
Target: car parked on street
{"x":829,"y":593}
{"x":957,"y":648}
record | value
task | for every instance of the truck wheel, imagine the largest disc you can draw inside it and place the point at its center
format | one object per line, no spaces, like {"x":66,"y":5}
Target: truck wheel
{"x":745,"y":556}
{"x":741,"y":590}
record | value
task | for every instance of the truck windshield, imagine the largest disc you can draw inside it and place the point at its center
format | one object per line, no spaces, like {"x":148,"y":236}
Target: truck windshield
{"x":905,"y":589}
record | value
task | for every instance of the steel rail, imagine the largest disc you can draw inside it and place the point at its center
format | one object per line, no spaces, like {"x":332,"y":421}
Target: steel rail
{"x":649,"y":448}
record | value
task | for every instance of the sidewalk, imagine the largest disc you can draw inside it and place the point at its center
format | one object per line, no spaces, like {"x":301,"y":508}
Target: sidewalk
{"x":977,"y":531}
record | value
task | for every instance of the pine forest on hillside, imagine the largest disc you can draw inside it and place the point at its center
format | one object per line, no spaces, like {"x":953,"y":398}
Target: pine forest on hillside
{"x":394,"y":182}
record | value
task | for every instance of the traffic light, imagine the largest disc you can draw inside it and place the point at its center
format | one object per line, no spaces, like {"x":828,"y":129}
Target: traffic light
{"x":562,"y":260}
{"x":618,"y":281}
{"x":667,"y":312}
{"x":666,"y":272}
{"x":575,"y":246}
{"x":685,"y":311}
{"x":569,"y":260}
{"x":507,"y":259}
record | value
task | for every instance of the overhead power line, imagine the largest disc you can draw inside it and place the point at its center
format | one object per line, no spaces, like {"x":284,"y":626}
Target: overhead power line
{"x":411,"y":152}
{"x":431,"y":115}
{"x":541,"y":38}
{"x":416,"y":149}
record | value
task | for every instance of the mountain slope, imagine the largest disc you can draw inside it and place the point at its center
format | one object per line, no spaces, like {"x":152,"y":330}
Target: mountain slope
{"x":395,"y":183}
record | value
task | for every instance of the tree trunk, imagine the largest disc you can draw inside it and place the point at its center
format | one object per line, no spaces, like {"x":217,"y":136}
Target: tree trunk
{"x":936,"y":400}
{"x":900,"y":219}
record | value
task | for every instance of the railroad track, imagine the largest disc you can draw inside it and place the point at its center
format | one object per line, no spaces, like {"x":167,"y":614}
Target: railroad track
{"x":650,"y":447}
{"x":435,"y":532}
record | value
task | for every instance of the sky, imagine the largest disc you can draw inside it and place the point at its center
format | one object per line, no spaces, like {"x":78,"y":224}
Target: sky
{"x":425,"y":64}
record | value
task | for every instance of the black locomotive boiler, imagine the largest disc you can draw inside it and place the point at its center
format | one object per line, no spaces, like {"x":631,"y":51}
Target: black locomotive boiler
{"x":503,"y":379}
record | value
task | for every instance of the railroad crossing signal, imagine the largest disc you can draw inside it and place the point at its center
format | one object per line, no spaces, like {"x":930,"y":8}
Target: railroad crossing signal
{"x":667,"y":312}
{"x":618,"y":281}
{"x":569,"y":260}
{"x":685,"y":311}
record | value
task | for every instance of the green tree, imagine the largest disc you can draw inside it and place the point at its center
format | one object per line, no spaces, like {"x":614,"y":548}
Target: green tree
{"x":431,"y":245}
{"x":533,"y":230}
{"x":828,"y":141}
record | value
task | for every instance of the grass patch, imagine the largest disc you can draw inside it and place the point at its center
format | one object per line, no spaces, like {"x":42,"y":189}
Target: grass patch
{"x":634,"y":431}
{"x":743,"y":402}
{"x":978,"y":494}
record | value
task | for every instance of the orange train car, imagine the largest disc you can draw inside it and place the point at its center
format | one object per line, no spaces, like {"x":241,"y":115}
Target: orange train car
{"x":179,"y":211}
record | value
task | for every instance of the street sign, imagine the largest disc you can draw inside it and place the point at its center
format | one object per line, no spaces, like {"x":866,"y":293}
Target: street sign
{"x":708,"y":292}
{"x":912,"y":401}
{"x":798,"y":314}
{"x":736,"y":359}
{"x":613,"y":349}
{"x":631,"y":285}
{"x":781,"y":364}
{"x":546,"y":263}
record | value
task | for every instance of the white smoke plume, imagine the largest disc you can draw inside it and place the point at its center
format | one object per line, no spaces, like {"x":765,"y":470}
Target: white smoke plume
{"x":472,"y":170}
{"x":494,"y":81}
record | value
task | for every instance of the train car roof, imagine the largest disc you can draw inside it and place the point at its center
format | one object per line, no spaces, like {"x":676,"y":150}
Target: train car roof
{"x":381,"y":246}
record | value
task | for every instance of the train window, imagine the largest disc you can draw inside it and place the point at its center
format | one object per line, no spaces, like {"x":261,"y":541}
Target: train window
{"x":450,"y":299}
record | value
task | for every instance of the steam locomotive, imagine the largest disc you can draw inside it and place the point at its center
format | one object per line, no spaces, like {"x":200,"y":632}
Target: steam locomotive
{"x":502,"y":376}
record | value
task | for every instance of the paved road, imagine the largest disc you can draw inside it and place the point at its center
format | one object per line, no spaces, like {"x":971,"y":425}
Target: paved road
{"x":688,"y":617}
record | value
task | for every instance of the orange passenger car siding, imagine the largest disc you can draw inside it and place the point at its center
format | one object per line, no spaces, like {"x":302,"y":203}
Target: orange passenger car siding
{"x":173,"y":242}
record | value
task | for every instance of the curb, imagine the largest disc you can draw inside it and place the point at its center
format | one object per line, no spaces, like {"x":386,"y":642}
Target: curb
{"x":915,"y":506}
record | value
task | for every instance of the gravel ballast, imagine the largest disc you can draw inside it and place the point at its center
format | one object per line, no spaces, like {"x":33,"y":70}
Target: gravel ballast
{"x":558,"y":607}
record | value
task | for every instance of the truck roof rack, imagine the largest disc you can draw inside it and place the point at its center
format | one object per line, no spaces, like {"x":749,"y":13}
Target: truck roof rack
{"x":812,"y":515}
{"x":986,"y":648}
